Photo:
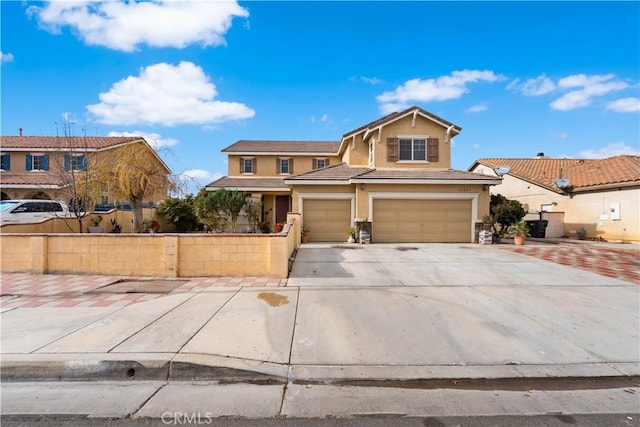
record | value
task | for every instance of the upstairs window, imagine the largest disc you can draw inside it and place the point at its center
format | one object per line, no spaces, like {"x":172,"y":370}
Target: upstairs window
{"x":248,"y":165}
{"x":77,"y":162}
{"x":415,"y":149}
{"x":37,"y":162}
{"x":285,"y":166}
{"x":320,"y":163}
{"x":5,"y":162}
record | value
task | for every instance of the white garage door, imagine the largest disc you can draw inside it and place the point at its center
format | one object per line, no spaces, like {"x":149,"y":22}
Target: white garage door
{"x":327,"y":220}
{"x":421,"y":221}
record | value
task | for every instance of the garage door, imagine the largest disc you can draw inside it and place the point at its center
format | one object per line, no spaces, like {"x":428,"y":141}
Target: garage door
{"x":416,"y":221}
{"x":327,"y":220}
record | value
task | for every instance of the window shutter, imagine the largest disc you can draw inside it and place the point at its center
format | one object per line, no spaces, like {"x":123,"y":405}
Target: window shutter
{"x":326,"y":163}
{"x":254,"y":169}
{"x":291,"y":166}
{"x":45,"y":163}
{"x":67,"y":162}
{"x":392,"y":149}
{"x":83,"y":162}
{"x":6,"y":162}
{"x":432,"y":149}
{"x":29,"y":165}
{"x":241,"y":165}
{"x":315,"y":164}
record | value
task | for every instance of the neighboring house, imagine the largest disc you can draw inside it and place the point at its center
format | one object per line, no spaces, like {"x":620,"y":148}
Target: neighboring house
{"x":43,"y":167}
{"x":392,"y":175}
{"x":600,"y":197}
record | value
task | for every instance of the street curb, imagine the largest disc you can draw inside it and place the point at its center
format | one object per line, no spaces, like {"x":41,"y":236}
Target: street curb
{"x":203,"y":367}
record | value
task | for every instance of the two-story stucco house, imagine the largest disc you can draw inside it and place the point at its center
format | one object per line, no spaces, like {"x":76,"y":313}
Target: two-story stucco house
{"x":44,"y":167}
{"x":394,"y":174}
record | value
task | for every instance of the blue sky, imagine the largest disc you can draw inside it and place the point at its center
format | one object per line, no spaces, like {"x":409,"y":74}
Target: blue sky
{"x":194,"y":77}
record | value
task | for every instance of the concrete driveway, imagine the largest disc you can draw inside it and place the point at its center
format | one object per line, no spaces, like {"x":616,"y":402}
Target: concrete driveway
{"x":428,"y":264}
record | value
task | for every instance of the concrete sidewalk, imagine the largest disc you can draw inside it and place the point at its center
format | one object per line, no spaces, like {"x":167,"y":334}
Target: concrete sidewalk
{"x":455,"y":312}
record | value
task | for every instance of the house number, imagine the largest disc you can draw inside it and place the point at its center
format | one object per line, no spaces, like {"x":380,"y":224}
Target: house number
{"x":464,"y":190}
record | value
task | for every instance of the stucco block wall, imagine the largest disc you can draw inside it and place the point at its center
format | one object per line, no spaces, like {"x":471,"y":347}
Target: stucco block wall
{"x":163,"y":255}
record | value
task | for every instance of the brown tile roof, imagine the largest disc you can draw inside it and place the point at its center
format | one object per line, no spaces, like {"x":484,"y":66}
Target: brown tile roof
{"x":335,"y":172}
{"x":270,"y":146}
{"x":8,"y":142}
{"x":247,"y":182}
{"x":398,"y":114}
{"x":9,"y":179}
{"x":424,"y":174}
{"x":583,"y":174}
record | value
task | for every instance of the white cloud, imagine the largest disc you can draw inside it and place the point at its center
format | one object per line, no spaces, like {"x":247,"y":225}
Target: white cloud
{"x":324,"y":117}
{"x":125,"y":25}
{"x":6,"y":57}
{"x":166,"y":95}
{"x":371,"y":80}
{"x":476,"y":146}
{"x":534,"y":87}
{"x":625,"y":105}
{"x":477,"y":108}
{"x":154,"y":139}
{"x":193,"y":180}
{"x":610,"y":150}
{"x":589,"y":87}
{"x":561,"y":135}
{"x":443,"y":88}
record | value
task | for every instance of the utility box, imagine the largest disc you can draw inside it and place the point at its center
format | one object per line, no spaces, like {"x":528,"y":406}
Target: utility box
{"x":485,"y":237}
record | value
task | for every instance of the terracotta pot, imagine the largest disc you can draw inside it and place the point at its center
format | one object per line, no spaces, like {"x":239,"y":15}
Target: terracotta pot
{"x":519,"y":240}
{"x":304,"y":239}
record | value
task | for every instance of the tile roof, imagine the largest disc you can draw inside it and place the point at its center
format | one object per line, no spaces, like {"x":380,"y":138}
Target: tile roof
{"x":583,"y":174}
{"x":398,"y":114}
{"x":9,"y":179}
{"x":272,"y":146}
{"x":248,"y":182}
{"x":8,"y":142}
{"x":335,"y":172}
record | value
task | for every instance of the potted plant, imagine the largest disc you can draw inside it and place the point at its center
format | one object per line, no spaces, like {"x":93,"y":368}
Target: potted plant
{"x":352,"y":235}
{"x":95,"y":227}
{"x":304,"y":238}
{"x":519,"y":231}
{"x":115,"y":227}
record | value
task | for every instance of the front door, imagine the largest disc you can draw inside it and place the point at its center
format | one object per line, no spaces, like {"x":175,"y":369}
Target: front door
{"x":282,"y":208}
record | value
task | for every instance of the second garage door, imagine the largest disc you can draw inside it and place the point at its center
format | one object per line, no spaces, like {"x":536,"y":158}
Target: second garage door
{"x":327,"y":220}
{"x":421,"y":221}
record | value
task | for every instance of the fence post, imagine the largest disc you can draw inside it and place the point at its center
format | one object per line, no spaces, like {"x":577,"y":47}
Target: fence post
{"x":39,"y":254}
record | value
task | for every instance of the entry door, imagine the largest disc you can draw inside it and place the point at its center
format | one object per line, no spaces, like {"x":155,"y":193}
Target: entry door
{"x":283,"y":206}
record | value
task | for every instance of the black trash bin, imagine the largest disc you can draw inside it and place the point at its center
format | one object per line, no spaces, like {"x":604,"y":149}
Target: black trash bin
{"x":538,"y":228}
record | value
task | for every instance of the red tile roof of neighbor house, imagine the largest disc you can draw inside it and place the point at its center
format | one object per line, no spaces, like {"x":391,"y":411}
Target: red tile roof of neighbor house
{"x":32,"y":179}
{"x":583,"y":174}
{"x":288,"y":147}
{"x":8,"y":142}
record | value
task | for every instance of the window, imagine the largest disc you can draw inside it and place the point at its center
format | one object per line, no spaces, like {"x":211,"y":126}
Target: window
{"x":248,"y":165}
{"x":413,"y":149}
{"x":5,"y":163}
{"x":320,"y":163}
{"x":371,"y":154}
{"x":76,"y":162}
{"x":285,"y":166}
{"x":37,"y":162}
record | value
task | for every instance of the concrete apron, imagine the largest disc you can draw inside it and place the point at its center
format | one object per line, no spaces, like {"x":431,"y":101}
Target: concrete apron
{"x":445,"y":323}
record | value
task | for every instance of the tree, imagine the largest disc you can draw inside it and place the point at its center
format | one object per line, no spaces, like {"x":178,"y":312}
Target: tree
{"x":502,"y":213}
{"x":133,"y":173}
{"x":220,"y":209}
{"x":253,"y":210}
{"x":180,"y":212}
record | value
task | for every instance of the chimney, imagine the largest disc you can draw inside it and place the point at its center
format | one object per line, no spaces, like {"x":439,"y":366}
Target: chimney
{"x":539,"y":155}
{"x":20,"y":131}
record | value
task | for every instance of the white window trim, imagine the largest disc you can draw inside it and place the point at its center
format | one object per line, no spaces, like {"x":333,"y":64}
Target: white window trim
{"x":280,"y":165}
{"x":32,"y":161}
{"x":244,"y":158}
{"x":412,"y":137}
{"x":324,"y":159}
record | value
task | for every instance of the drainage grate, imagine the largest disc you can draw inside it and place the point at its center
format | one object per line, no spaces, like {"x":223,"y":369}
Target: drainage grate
{"x":140,"y":287}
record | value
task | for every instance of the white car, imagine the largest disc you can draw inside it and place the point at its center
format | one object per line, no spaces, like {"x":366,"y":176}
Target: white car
{"x":31,"y":211}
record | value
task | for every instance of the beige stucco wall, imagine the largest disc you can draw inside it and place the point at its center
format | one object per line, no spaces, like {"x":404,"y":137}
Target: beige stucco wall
{"x":267,"y":165}
{"x":582,"y":210}
{"x":162,"y":255}
{"x":357,"y":154}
